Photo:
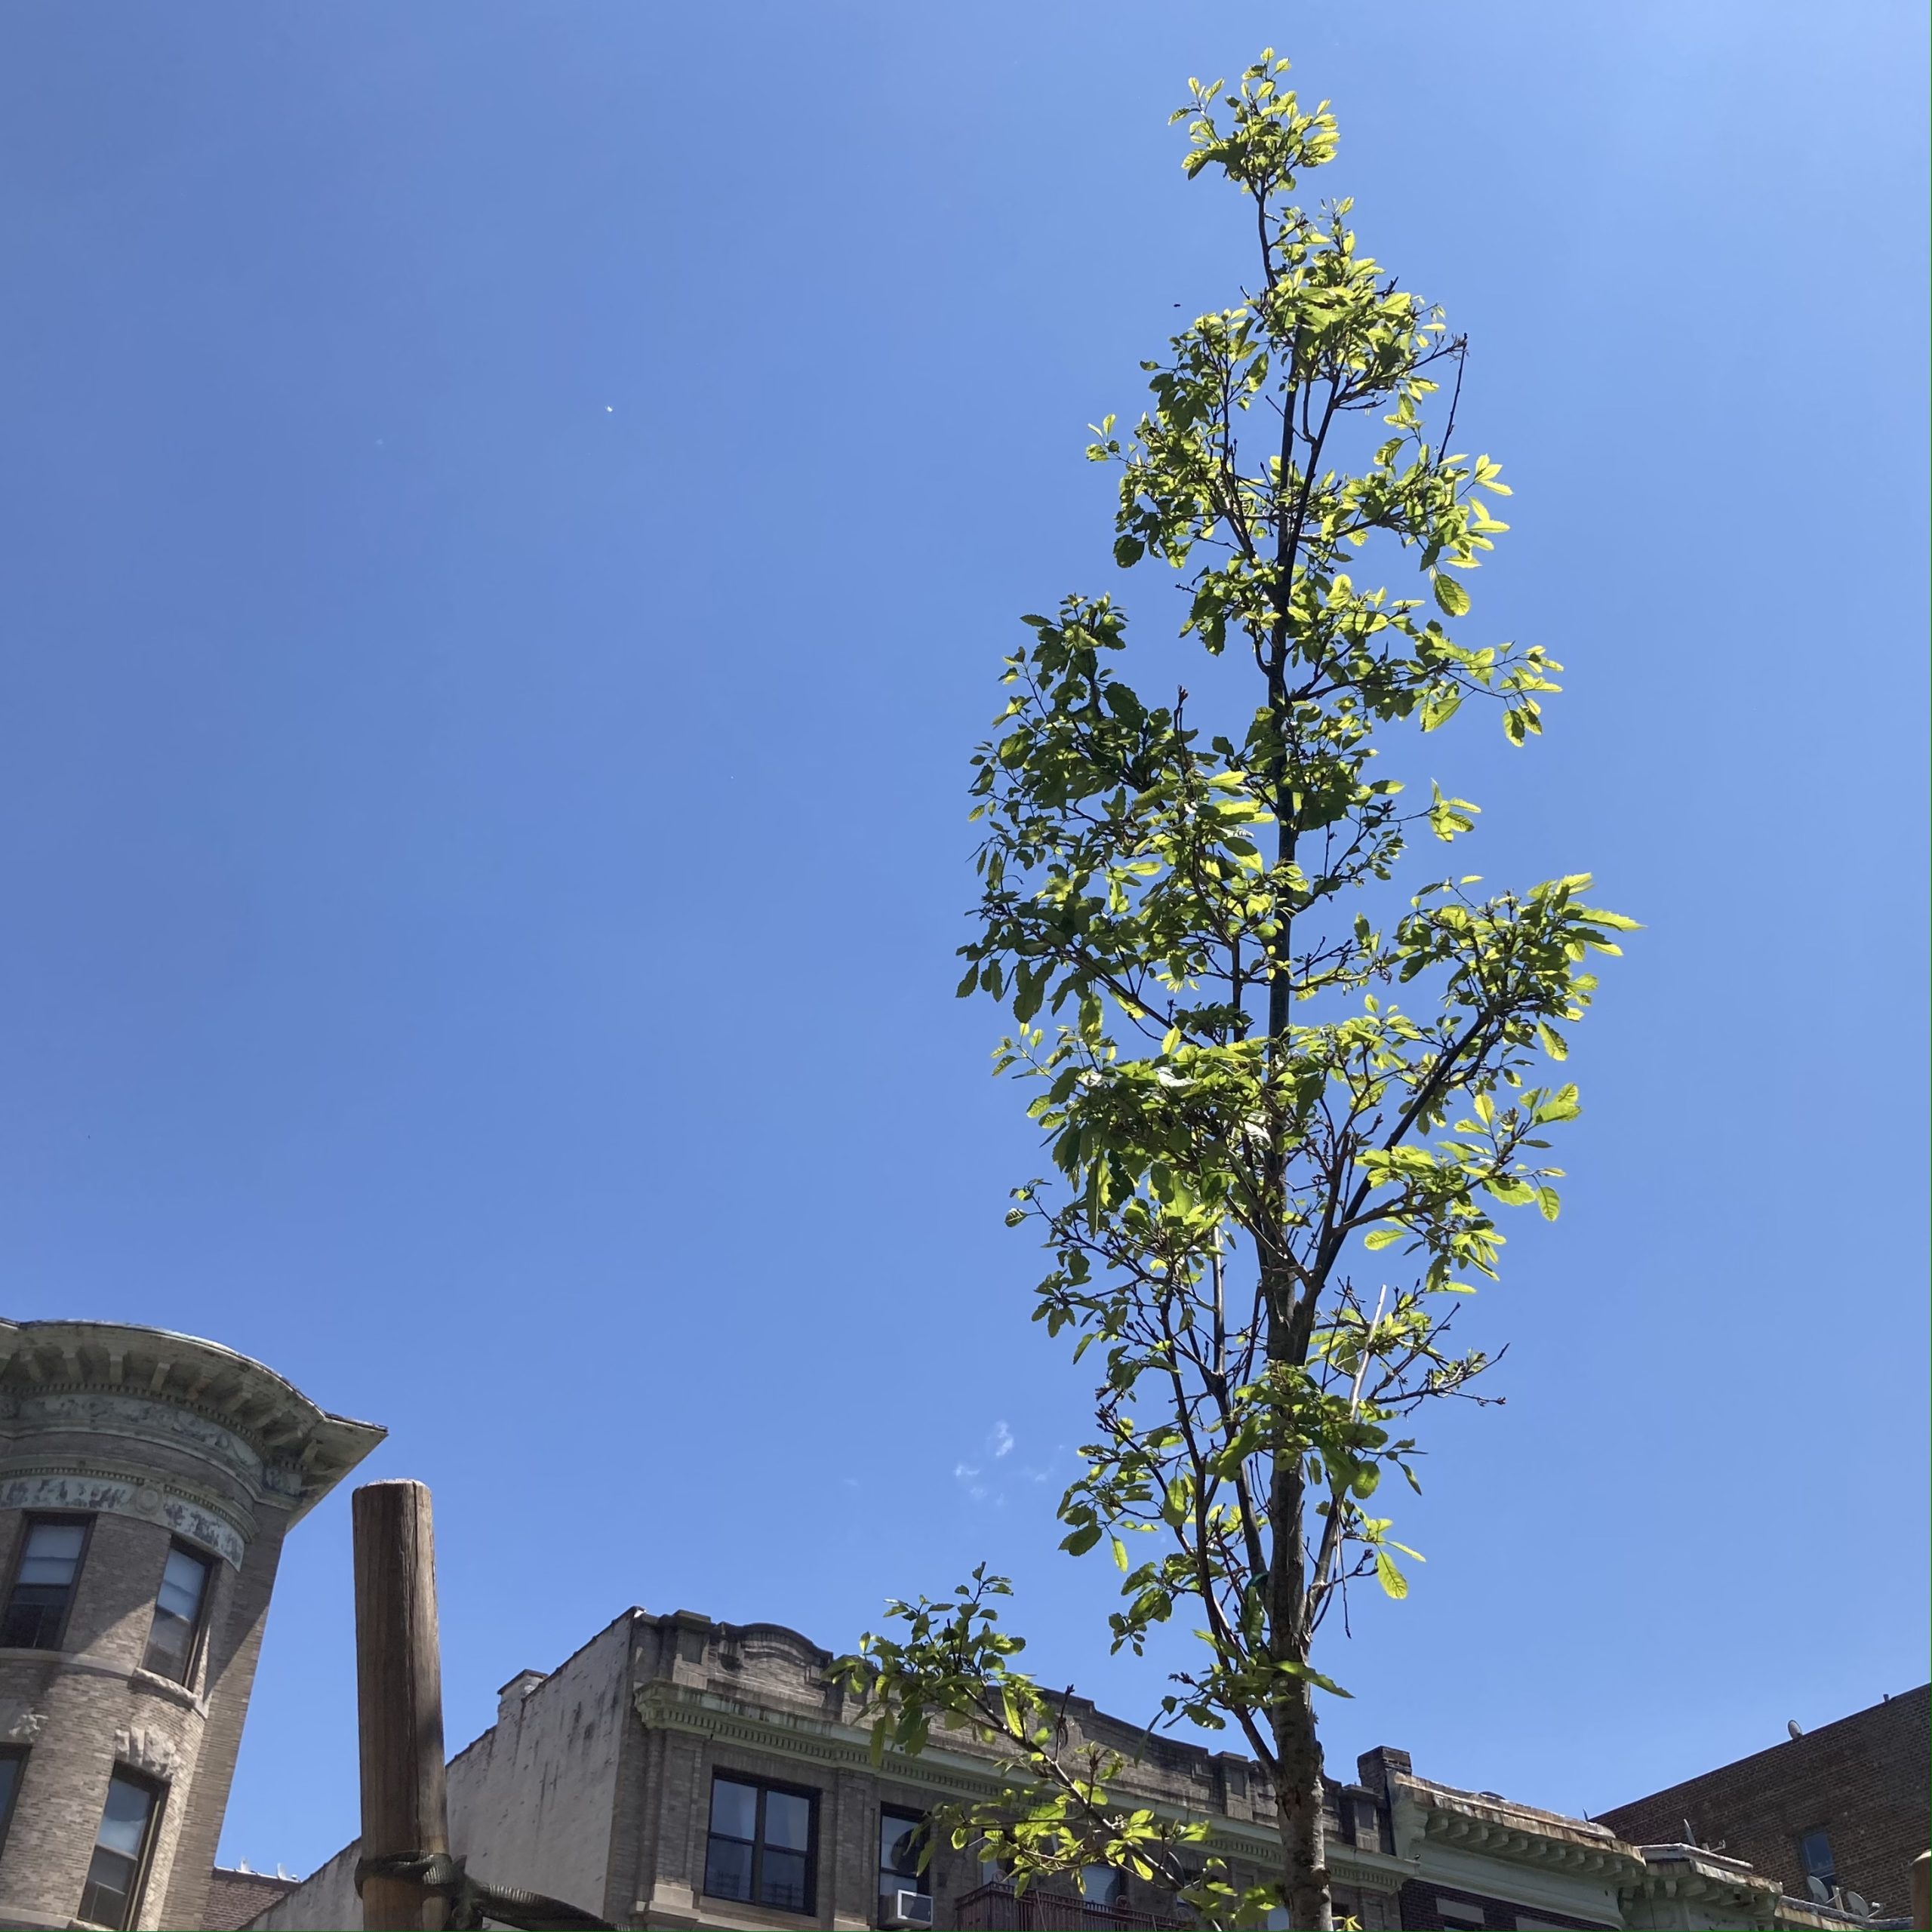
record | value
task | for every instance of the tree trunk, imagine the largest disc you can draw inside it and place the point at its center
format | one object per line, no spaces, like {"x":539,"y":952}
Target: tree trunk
{"x":1291,"y":1713}
{"x":1298,"y":1805}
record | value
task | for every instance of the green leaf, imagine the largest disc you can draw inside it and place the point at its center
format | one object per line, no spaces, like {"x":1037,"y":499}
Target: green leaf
{"x":1391,"y":1579}
{"x":1307,"y":1674}
{"x":1452,"y":595}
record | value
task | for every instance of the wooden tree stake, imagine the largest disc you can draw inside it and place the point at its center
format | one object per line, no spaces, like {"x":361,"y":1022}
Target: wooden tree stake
{"x":399,"y":1696}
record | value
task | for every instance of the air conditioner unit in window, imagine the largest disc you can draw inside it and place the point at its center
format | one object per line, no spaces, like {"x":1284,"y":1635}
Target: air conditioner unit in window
{"x":905,"y":1908}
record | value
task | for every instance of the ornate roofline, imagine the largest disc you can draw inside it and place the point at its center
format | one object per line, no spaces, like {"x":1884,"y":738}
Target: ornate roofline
{"x":305,"y":1451}
{"x":662,"y":1705}
{"x":1518,"y":1832}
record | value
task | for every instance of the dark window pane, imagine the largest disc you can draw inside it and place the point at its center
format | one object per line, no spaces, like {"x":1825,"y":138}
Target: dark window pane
{"x":735,"y":1809}
{"x":177,"y":1613}
{"x":783,"y":1879}
{"x":788,"y":1821}
{"x":1814,"y":1848}
{"x":1100,"y":1885}
{"x":108,"y":1897}
{"x":728,"y":1869}
{"x":901,"y":1840}
{"x":33,"y":1621}
{"x":43,"y":1582}
{"x":169,"y":1642}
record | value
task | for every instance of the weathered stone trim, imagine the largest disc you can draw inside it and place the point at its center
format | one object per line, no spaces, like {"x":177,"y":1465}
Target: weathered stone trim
{"x":149,"y":1751}
{"x":24,"y":1725}
{"x":99,"y":1489}
{"x":89,"y":1408}
{"x":1508,"y":1834}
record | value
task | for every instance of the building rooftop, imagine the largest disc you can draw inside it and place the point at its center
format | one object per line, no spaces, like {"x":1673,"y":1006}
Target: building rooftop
{"x":311,"y":1448}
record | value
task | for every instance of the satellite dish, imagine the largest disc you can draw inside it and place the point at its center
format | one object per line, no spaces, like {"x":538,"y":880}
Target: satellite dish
{"x":1820,"y":1892}
{"x":1857,"y":1905}
{"x":1791,"y":1725}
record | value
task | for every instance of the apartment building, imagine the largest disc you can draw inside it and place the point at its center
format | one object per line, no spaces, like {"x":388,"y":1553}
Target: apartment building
{"x":679,"y":1772}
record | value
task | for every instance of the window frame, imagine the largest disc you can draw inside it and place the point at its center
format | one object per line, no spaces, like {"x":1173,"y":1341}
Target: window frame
{"x":1828,"y":1875}
{"x":17,"y":1755}
{"x":30,"y":1521}
{"x":157,"y":1791}
{"x":921,"y":1881}
{"x":721,"y":1773}
{"x":191,"y":1664}
{"x":1102,"y":1887}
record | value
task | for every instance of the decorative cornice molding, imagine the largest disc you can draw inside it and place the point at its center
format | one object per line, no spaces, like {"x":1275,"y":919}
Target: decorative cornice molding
{"x":280,"y":1441}
{"x":104,"y":1490}
{"x":1685,"y":1871}
{"x":150,"y":1750}
{"x":1518,"y":1835}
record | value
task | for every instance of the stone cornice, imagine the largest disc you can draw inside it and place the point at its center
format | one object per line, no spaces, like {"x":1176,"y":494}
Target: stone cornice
{"x":662,"y":1705}
{"x":290,"y":1449}
{"x":1688,"y":1872}
{"x":1518,"y":1834}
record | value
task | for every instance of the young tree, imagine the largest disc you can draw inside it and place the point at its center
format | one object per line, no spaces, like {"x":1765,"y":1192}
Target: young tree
{"x":1262,"y":1069}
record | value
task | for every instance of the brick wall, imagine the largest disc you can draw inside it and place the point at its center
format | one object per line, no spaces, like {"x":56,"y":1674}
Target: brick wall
{"x":234,"y":1897}
{"x":1864,"y":1779}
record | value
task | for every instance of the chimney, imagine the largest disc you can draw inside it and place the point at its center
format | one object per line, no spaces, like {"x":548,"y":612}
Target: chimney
{"x":1375,"y":1768}
{"x":510,"y":1698}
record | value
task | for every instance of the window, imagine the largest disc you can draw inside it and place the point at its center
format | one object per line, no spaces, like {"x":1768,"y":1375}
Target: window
{"x":902,"y":1839}
{"x":50,"y":1554}
{"x":761,"y":1846}
{"x":1367,"y":1818}
{"x":1814,"y":1853}
{"x":1101,"y":1885}
{"x":1458,"y":1915}
{"x":112,"y":1894}
{"x":13,"y":1763}
{"x":177,"y":1615}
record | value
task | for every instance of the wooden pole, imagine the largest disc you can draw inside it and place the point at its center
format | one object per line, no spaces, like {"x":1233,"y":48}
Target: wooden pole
{"x":399,"y":1697}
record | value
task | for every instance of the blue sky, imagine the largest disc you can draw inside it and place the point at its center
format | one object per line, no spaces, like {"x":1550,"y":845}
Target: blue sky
{"x":512,"y":515}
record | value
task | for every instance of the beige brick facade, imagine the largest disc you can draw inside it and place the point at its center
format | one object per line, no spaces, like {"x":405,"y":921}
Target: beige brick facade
{"x":153,"y":1441}
{"x":595,"y":1786}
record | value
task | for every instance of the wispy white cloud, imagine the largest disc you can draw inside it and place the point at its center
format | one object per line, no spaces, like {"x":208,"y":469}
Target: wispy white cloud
{"x":1001,"y":1441}
{"x":963,"y":1470}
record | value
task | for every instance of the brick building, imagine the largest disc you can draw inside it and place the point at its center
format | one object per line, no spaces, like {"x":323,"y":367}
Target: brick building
{"x":1845,"y":1804}
{"x":236,"y":1895}
{"x":681,"y":1773}
{"x":146,"y":1482}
